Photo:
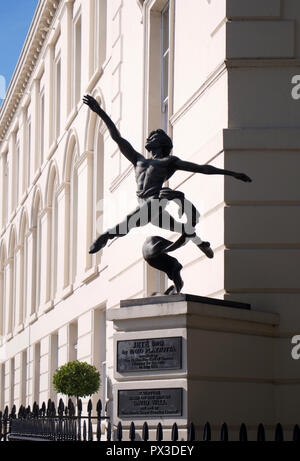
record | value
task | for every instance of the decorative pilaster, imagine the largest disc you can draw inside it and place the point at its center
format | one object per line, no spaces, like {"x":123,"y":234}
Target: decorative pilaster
{"x":9,"y":297}
{"x":18,"y":288}
{"x":49,"y":57}
{"x":63,"y":255}
{"x":84,"y":218}
{"x":31,"y":281}
{"x":66,"y":58}
{"x":46,"y":258}
{"x":23,"y":156}
{"x":11,"y":176}
{"x":35,"y":92}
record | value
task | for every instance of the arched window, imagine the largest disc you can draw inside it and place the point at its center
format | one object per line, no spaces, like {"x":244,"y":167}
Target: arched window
{"x":23,"y":269}
{"x":50,"y":269}
{"x":53,"y":240}
{"x":98,"y":189}
{"x":73,"y":218}
{"x":95,"y":144}
{"x":77,"y":59}
{"x":2,"y":291}
{"x":33,"y":302}
{"x":100,"y":21}
{"x":10,"y":278}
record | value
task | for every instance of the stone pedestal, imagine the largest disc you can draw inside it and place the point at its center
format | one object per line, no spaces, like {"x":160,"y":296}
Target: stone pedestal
{"x":185,"y":358}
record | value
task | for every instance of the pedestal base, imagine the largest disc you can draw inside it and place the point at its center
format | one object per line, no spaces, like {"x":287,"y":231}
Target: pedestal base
{"x":184,"y":358}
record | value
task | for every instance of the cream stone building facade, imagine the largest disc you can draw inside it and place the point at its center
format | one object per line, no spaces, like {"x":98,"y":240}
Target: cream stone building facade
{"x":217,"y":75}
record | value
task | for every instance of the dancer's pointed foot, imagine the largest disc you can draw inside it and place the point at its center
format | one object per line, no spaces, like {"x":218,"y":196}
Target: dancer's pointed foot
{"x":170,"y":291}
{"x":99,"y":243}
{"x":205,"y":247}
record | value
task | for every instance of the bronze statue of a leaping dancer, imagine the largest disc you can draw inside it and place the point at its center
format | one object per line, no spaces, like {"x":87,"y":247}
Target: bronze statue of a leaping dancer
{"x":151,"y":173}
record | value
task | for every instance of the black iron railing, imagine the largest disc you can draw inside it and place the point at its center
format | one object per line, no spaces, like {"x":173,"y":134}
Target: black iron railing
{"x":65,"y":424}
{"x":49,"y":424}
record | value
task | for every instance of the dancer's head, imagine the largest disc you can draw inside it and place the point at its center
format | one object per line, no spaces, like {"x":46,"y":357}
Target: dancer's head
{"x":159,"y":143}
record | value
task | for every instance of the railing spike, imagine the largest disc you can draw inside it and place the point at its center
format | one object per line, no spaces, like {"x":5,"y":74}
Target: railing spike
{"x":79,"y":405}
{"x":296,"y":433}
{"x":278,"y":433}
{"x":174,"y":434}
{"x":90,"y":406}
{"x":243,"y":433}
{"x":99,"y":407}
{"x":159,"y":433}
{"x":119,"y":432}
{"x":261,"y":437}
{"x":207,"y":432}
{"x":224,"y":433}
{"x":191,"y":432}
{"x":132,"y":432}
{"x":145,"y":432}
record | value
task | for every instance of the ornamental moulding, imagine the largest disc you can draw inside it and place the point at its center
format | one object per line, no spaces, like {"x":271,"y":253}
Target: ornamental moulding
{"x":38,"y":32}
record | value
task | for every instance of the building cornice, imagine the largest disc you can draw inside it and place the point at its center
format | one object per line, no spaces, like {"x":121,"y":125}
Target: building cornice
{"x":38,"y":31}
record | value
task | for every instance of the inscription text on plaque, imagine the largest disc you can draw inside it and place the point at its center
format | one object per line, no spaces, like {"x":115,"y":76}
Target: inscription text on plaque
{"x":149,"y":354}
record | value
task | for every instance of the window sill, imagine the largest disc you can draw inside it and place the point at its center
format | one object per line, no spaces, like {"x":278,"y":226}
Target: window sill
{"x":32,"y":318}
{"x":67,"y":291}
{"x":18,"y":329}
{"x":48,"y":307}
{"x":90,"y":274}
{"x":8,"y":337}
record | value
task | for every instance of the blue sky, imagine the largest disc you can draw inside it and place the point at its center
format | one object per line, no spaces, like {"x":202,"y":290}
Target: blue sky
{"x":15,"y":20}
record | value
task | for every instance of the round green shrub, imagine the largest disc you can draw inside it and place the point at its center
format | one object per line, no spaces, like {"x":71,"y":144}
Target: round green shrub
{"x":76,"y":379}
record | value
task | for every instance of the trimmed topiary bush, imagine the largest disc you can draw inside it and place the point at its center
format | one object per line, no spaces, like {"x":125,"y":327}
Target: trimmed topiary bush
{"x":76,"y":379}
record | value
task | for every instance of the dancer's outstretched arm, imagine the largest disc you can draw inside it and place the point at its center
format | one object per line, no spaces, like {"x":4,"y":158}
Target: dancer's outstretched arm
{"x":125,"y":147}
{"x":208,"y":169}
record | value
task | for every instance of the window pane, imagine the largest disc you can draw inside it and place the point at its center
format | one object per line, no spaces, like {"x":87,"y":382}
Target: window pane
{"x":165,"y":28}
{"x":165,"y":82}
{"x":58,"y":97}
{"x":78,"y":61}
{"x":42,"y":128}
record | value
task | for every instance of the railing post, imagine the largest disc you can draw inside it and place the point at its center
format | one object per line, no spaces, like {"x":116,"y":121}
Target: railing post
{"x":243,"y":433}
{"x":145,"y":434}
{"x":159,"y":433}
{"x":174,"y":435}
{"x":261,"y":433}
{"x":99,"y":411}
{"x":5,"y":419}
{"x":79,"y":411}
{"x":191,"y":432}
{"x":278,"y":433}
{"x":207,"y":432}
{"x":90,"y":426}
{"x":108,"y":432}
{"x":224,"y":433}
{"x":296,"y":433}
{"x":132,"y":432}
{"x":119,"y":432}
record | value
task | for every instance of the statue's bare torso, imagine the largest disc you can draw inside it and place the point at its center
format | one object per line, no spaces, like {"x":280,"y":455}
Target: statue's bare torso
{"x":151,"y":174}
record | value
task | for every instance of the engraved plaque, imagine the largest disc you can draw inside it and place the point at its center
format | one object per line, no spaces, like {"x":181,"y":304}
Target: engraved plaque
{"x":150,"y":402}
{"x":149,"y":354}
